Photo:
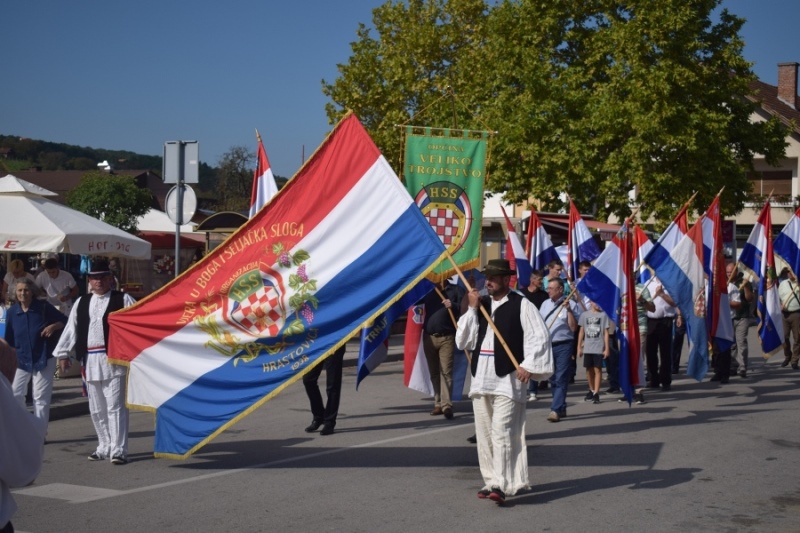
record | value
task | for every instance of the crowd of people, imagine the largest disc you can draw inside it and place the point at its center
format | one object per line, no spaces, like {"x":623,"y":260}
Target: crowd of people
{"x":518,"y":343}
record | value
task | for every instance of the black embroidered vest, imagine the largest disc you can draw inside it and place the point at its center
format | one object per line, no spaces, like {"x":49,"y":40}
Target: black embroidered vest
{"x":115,"y":303}
{"x":506,"y":318}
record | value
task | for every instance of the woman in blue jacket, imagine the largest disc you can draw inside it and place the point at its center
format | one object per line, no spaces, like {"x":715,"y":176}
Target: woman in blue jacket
{"x":31,"y":328}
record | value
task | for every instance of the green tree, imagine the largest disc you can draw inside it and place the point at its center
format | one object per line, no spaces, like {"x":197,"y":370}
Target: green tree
{"x":113,"y":199}
{"x":593,"y":98}
{"x":235,"y":179}
{"x":423,"y":48}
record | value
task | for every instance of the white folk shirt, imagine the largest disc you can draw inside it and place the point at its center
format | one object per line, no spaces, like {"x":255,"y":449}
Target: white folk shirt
{"x":56,"y":287}
{"x":97,"y":366}
{"x":535,"y":343}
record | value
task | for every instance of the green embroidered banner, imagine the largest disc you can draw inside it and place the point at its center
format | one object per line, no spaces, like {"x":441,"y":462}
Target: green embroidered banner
{"x":445,"y":174}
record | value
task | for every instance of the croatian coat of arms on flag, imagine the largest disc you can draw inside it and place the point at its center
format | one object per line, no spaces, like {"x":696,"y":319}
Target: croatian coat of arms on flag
{"x":256,"y":304}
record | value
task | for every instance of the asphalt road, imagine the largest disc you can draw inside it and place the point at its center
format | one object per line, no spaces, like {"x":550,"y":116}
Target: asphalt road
{"x":702,"y":457}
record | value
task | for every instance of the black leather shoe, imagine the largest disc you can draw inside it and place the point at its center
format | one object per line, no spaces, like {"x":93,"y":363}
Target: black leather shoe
{"x":473,"y":439}
{"x":327,"y":429}
{"x":313,"y":427}
{"x":715,"y":377}
{"x":785,"y":362}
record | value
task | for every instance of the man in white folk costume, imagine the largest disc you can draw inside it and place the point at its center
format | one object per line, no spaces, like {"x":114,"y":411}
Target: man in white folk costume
{"x":498,"y":392}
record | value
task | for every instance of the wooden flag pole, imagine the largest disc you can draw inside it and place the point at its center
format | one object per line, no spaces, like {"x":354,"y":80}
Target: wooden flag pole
{"x":486,"y":315}
{"x":449,"y":310}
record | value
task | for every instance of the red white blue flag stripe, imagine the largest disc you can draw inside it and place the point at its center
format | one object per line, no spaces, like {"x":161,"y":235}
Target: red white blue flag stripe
{"x":668,"y":240}
{"x":757,"y":258}
{"x":515,"y":254}
{"x":581,"y":246}
{"x":641,"y":247}
{"x":787,"y":243}
{"x":338,"y":246}
{"x":539,"y":247}
{"x":718,"y":316}
{"x":682,"y":275}
{"x":611,"y":285}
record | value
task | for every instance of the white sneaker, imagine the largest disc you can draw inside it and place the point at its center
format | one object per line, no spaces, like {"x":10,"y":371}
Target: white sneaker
{"x":532,"y":397}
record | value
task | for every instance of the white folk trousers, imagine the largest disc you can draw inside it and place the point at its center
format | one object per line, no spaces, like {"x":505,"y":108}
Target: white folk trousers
{"x":109,"y":416}
{"x":502,"y":452}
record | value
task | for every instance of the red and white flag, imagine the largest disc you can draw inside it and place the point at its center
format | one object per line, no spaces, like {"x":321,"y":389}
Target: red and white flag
{"x":264,"y":187}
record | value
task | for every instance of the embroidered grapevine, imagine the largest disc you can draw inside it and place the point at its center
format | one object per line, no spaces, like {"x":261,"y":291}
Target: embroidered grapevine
{"x":303,"y":299}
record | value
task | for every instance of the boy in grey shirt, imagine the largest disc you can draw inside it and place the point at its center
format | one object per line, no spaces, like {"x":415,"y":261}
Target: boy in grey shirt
{"x":593,"y":342}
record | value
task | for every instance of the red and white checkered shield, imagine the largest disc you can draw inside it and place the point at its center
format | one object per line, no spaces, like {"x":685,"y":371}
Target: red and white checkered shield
{"x":256,"y":303}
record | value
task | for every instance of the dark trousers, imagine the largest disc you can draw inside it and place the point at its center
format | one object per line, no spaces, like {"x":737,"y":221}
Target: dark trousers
{"x":659,"y":342}
{"x":326,"y":413}
{"x":722,"y":364}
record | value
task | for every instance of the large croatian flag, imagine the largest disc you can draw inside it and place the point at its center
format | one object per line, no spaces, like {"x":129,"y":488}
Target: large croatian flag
{"x":539,"y":248}
{"x":581,"y":246}
{"x":682,"y":275}
{"x":611,"y":285}
{"x":787,"y":243}
{"x":515,"y":254}
{"x":340,"y":243}
{"x":757,"y":259}
{"x":264,"y":186}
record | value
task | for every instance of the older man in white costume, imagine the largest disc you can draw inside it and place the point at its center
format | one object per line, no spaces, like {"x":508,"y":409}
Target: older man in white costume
{"x":87,"y":332}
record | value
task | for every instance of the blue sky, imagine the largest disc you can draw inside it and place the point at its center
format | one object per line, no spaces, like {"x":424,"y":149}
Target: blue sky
{"x":132,"y":75}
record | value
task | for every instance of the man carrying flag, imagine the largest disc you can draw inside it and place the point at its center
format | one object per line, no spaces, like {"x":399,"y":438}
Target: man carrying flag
{"x":498,"y":392}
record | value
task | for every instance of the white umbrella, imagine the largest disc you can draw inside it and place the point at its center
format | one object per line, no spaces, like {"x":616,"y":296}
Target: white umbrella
{"x":31,"y":223}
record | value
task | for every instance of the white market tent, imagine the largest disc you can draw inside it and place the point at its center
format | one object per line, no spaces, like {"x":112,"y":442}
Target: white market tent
{"x":31,"y":223}
{"x":157,"y":220}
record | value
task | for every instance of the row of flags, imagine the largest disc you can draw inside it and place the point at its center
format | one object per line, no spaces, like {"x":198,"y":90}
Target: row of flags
{"x":689,"y":262}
